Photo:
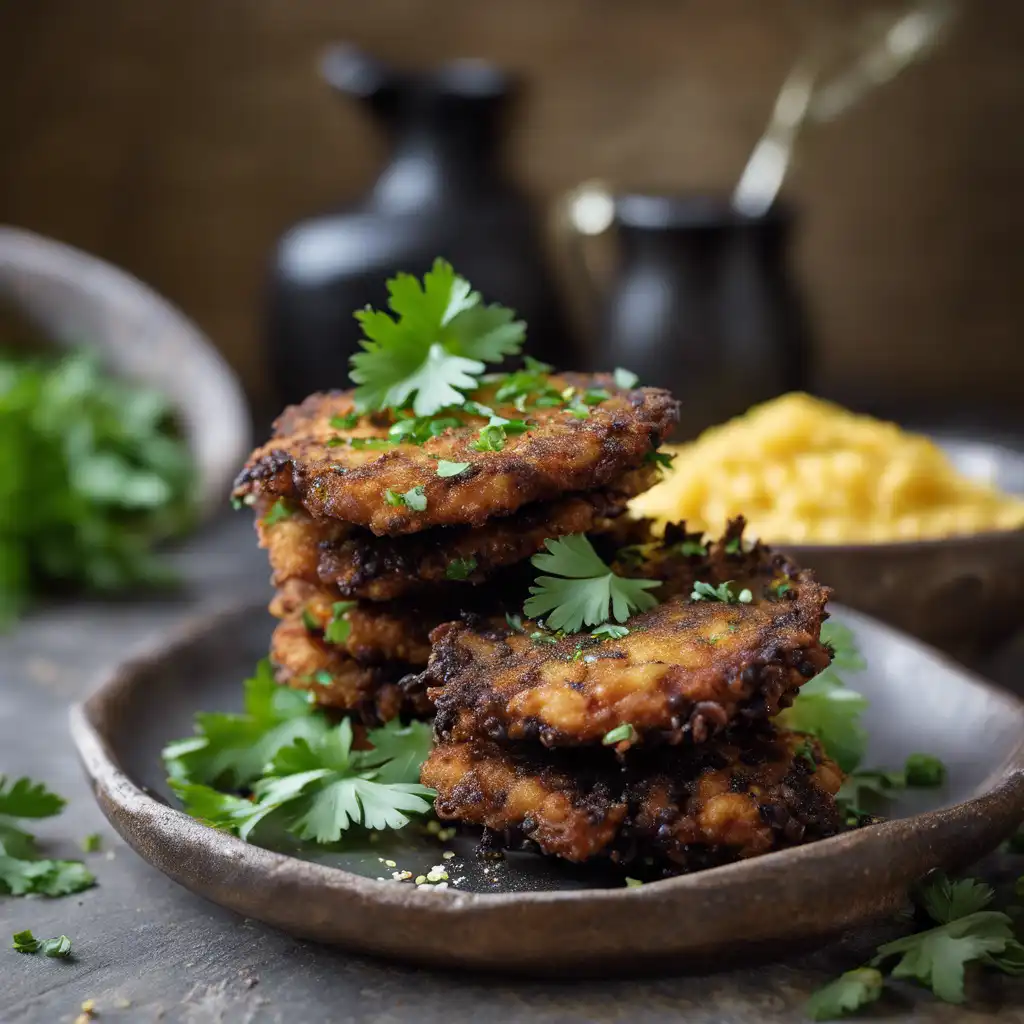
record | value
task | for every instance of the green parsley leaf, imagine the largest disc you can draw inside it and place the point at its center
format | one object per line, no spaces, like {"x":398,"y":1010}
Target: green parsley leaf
{"x":19,"y":877}
{"x":515,"y":622}
{"x":723,"y":592}
{"x":232,"y":750}
{"x":830,"y":711}
{"x":309,"y":621}
{"x":633,"y":883}
{"x":663,"y":459}
{"x":691,"y":548}
{"x":595,"y":396}
{"x":460,"y":569}
{"x":92,"y":843}
{"x":805,"y":753}
{"x":277,"y":512}
{"x":944,"y":900}
{"x":56,"y":948}
{"x":420,"y":429}
{"x":493,"y":436}
{"x":27,"y":799}
{"x":847,"y":993}
{"x":346,"y":422}
{"x":734,"y":546}
{"x":435,"y":346}
{"x":415,"y":498}
{"x":588,"y":592}
{"x":936,"y":958}
{"x":625,"y":379}
{"x":446,"y":469}
{"x":25,"y":942}
{"x":610,"y":631}
{"x":339,"y":628}
{"x":620,"y":733}
{"x":846,"y":657}
{"x":924,"y":770}
{"x":363,"y":443}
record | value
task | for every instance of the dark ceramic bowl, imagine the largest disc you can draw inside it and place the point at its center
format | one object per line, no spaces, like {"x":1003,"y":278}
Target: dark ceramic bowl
{"x":78,"y":300}
{"x":962,"y":594}
{"x":535,"y":915}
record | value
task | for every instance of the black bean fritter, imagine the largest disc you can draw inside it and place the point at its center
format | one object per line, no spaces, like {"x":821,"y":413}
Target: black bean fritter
{"x":685,"y":670}
{"x":316,"y":464}
{"x":747,"y":793}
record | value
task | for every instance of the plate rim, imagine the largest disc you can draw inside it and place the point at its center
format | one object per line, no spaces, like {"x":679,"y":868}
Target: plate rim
{"x":961,"y":831}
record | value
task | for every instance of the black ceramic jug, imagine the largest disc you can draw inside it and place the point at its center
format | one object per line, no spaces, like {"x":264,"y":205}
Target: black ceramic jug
{"x":443,"y":193}
{"x":702,"y":303}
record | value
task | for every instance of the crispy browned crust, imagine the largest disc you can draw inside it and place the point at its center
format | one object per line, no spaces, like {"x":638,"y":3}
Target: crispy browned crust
{"x":372,"y":692}
{"x":685,"y":670}
{"x":738,"y":797}
{"x":559,"y":454}
{"x":383,"y":568}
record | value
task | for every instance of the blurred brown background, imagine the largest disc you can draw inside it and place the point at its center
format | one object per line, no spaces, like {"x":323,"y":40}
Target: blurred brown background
{"x":177,"y":138}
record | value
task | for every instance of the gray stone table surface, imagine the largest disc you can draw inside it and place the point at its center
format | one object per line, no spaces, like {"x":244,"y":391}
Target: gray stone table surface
{"x":147,"y":950}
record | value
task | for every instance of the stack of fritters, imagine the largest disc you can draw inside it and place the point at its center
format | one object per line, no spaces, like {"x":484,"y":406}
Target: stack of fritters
{"x":380,"y":527}
{"x":697,"y":774}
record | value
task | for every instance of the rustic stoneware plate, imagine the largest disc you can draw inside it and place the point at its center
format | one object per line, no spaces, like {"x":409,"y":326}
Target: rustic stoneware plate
{"x":530,"y":915}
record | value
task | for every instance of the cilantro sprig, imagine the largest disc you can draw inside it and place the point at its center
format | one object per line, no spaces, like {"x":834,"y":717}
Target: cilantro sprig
{"x":22,"y":870}
{"x":296,"y":768}
{"x":433,"y":346}
{"x":585,"y":591}
{"x":963,"y":932}
{"x":26,"y":942}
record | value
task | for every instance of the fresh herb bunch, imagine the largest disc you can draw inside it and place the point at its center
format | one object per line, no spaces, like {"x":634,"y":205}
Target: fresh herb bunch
{"x":94,"y":475}
{"x":22,"y":870}
{"x":585,"y":591}
{"x":964,"y":932}
{"x":282,"y":761}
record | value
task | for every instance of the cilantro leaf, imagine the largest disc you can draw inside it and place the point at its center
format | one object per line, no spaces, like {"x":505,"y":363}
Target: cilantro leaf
{"x":277,"y":512}
{"x":435,"y":346}
{"x":232,"y":749}
{"x":944,"y":900}
{"x":346,"y":422}
{"x":846,"y":657}
{"x":723,"y":592}
{"x":847,"y":993}
{"x":56,"y":948}
{"x":460,"y":568}
{"x":27,"y":799}
{"x":446,"y":469}
{"x":610,"y":631}
{"x":620,"y":733}
{"x":25,"y":942}
{"x":493,"y":436}
{"x":46,"y":877}
{"x":397,"y":751}
{"x":830,"y":711}
{"x":633,"y":883}
{"x":924,"y":770}
{"x":625,"y":379}
{"x":586,"y":590}
{"x":415,"y":498}
{"x":936,"y":958}
{"x":339,"y":628}
{"x":662,"y":459}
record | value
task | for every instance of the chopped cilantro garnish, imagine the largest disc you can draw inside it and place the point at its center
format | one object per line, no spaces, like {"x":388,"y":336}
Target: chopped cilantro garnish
{"x":585,"y":591}
{"x":415,"y":498}
{"x":435,"y":346}
{"x":22,"y":871}
{"x":25,"y":942}
{"x":595,"y":396}
{"x":515,"y":622}
{"x":633,"y":883}
{"x":360,"y":443}
{"x":92,"y":842}
{"x":924,"y":770}
{"x":277,"y":512}
{"x":309,"y":621}
{"x":346,"y":422}
{"x":539,"y":637}
{"x":625,"y":379}
{"x":805,"y":752}
{"x":610,"y":631}
{"x":734,"y":546}
{"x":691,"y":548}
{"x":490,"y":439}
{"x":781,"y":587}
{"x":420,"y":429}
{"x":339,"y":628}
{"x":460,"y":568}
{"x":723,"y":592}
{"x":58,"y":948}
{"x":446,"y":469}
{"x":663,"y":459}
{"x":621,"y":733}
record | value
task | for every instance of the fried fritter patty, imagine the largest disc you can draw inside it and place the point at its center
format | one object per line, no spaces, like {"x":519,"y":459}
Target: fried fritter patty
{"x":328,"y":471}
{"x":743,"y":795}
{"x":373,"y":692}
{"x":685,"y":670}
{"x":382,"y":568}
{"x":377,"y":634}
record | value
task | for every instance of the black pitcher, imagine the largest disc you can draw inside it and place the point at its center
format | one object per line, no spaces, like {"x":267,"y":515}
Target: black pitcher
{"x":443,"y":193}
{"x":702,"y":303}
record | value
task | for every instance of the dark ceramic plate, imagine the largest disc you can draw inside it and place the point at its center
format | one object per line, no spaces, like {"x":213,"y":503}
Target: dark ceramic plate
{"x":529,"y":914}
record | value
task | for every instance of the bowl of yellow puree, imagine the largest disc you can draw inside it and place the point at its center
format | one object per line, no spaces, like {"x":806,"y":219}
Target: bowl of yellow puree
{"x":917,"y":531}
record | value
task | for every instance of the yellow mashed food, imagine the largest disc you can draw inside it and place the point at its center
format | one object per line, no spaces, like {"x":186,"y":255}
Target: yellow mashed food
{"x":806,"y":471}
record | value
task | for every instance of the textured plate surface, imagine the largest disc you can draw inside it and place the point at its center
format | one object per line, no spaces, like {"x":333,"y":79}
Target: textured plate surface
{"x":528,"y":914}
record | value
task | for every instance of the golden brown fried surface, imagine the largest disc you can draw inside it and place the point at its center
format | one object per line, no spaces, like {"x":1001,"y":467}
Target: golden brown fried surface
{"x":741,"y":796}
{"x":377,"y":633}
{"x":304,"y":662}
{"x":316,"y":464}
{"x":685,"y":670}
{"x":382,"y":568}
